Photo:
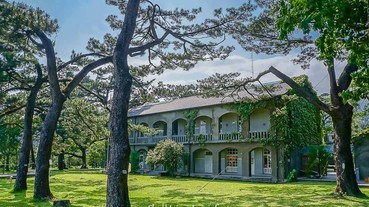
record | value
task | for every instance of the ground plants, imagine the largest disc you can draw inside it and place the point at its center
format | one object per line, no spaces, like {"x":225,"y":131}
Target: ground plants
{"x":87,"y":188}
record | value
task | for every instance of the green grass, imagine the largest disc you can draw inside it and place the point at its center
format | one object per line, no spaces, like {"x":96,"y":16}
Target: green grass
{"x":88,"y":189}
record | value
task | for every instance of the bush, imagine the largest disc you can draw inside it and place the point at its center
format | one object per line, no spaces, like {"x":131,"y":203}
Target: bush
{"x":134,"y":159}
{"x":292,"y":176}
{"x":167,"y":153}
{"x":318,"y":160}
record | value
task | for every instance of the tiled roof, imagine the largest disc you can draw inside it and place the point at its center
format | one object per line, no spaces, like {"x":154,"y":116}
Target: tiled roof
{"x":198,"y":102}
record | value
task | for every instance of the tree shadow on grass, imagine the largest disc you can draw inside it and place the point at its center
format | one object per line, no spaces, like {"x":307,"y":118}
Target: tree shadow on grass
{"x":21,"y":199}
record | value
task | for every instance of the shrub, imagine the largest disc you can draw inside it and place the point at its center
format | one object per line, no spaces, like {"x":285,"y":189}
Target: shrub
{"x":167,"y":153}
{"x":292,"y":176}
{"x":134,"y":159}
{"x":318,"y":160}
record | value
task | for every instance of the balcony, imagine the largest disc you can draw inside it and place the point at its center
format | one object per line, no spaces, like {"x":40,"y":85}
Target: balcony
{"x":202,"y":138}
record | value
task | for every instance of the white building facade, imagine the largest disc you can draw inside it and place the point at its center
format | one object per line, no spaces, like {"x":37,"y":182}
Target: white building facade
{"x":222,"y":145}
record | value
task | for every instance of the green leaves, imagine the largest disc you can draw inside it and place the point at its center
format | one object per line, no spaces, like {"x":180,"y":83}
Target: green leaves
{"x":167,"y":153}
{"x":340,"y":32}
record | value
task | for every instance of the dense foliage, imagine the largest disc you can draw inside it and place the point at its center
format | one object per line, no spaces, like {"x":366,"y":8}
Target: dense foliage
{"x":167,"y":153}
{"x":294,"y":121}
{"x":318,"y":160}
{"x":9,"y":143}
{"x":342,"y":34}
{"x":134,"y":160}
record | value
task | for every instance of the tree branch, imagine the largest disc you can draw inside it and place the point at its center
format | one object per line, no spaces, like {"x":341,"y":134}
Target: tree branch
{"x":12,"y":110}
{"x":78,"y":58}
{"x":51,"y":65}
{"x":78,"y":78}
{"x":73,"y":155}
{"x":345,"y":78}
{"x":312,"y":98}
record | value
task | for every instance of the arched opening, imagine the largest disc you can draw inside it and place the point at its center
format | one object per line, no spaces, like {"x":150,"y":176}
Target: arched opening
{"x":259,"y":123}
{"x":203,"y":161}
{"x":161,"y":126}
{"x":260,"y":162}
{"x":179,"y":130}
{"x":141,"y":134}
{"x":229,"y":161}
{"x":203,"y":130}
{"x":142,"y":159}
{"x":202,"y":125}
{"x":229,"y":126}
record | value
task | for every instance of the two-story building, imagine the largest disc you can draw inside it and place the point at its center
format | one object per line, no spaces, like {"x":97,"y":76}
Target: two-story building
{"x":221,"y":145}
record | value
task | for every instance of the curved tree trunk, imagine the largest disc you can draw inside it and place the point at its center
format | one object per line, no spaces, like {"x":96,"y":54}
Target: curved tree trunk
{"x":346,"y":179}
{"x":84,"y":159}
{"x":117,"y":188}
{"x":341,"y":114}
{"x":42,"y":188}
{"x":24,"y":156}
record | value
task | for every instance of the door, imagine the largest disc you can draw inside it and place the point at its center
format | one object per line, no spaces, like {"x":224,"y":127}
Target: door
{"x":267,"y":162}
{"x":208,"y":162}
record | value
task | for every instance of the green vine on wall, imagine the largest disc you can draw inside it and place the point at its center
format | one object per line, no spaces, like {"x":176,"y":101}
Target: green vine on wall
{"x":294,"y":121}
{"x":190,"y":116}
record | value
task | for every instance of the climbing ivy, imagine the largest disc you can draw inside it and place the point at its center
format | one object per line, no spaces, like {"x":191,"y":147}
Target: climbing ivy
{"x":190,"y":116}
{"x":294,"y":121}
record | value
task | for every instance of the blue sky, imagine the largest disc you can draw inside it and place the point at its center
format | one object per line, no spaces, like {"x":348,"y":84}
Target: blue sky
{"x":81,"y":19}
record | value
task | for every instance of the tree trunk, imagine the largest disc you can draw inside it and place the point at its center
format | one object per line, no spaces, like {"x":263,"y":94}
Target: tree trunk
{"x":117,"y":188}
{"x":22,"y":170}
{"x":341,"y":114}
{"x":61,"y":163}
{"x":7,"y":163}
{"x":42,"y":188}
{"x":346,"y":179}
{"x":33,"y":161}
{"x":84,"y":159}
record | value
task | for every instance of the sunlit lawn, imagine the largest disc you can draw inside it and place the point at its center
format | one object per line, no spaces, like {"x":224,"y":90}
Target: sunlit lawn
{"x":88,"y":189}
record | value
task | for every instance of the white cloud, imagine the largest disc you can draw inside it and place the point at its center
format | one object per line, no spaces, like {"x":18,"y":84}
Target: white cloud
{"x":235,"y":63}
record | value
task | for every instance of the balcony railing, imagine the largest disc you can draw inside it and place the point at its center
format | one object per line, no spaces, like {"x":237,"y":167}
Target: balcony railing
{"x":258,"y":135}
{"x":180,"y":138}
{"x":202,"y":138}
{"x":229,"y":136}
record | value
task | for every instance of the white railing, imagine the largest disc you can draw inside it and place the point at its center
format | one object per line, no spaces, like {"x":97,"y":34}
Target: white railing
{"x":229,"y":136}
{"x":203,"y":138}
{"x":142,"y":140}
{"x":157,"y":139}
{"x":268,"y":171}
{"x":180,"y":138}
{"x":258,"y":135}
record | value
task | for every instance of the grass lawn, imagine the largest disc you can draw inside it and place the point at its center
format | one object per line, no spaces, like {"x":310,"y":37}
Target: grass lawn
{"x":88,"y":189}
